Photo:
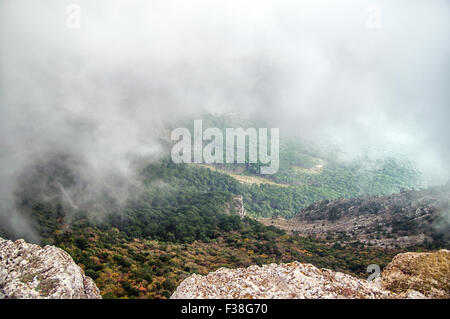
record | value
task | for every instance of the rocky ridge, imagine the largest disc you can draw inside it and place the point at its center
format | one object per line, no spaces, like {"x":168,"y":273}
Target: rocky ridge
{"x":399,"y":220}
{"x":426,"y":279}
{"x":283,"y":281}
{"x":30,"y":271}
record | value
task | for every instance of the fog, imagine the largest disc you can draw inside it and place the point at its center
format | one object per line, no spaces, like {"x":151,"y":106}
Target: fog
{"x":367,"y":76}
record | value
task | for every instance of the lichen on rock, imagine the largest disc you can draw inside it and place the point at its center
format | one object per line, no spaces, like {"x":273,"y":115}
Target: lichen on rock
{"x":408,"y":276}
{"x":29,"y":271}
{"x":427,"y":274}
{"x":280,"y":281}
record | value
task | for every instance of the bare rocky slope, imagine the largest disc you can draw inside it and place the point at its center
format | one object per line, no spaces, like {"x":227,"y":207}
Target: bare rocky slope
{"x":400,"y":220}
{"x":428,"y":279}
{"x":30,"y":271}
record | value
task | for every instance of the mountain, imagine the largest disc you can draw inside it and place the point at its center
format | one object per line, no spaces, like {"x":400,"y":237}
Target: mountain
{"x":409,"y":218}
{"x":29,"y":271}
{"x":181,"y":219}
{"x":409,"y":275}
{"x":308,"y":173}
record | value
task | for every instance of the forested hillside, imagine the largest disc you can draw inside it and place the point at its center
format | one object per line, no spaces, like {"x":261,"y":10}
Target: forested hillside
{"x":181,"y":222}
{"x":307,"y":174}
{"x":271,"y":199}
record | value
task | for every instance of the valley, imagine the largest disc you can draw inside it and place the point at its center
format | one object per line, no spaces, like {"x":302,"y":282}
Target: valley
{"x":399,"y":220}
{"x":190,"y":218}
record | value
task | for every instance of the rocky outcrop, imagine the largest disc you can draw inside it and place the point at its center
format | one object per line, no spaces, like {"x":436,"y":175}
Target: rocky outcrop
{"x":235,"y":206}
{"x":424,"y":273}
{"x":239,"y":205}
{"x":294,"y":280}
{"x":30,"y":271}
{"x":409,"y":275}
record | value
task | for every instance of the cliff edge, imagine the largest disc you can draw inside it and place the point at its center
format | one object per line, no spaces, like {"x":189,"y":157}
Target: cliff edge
{"x":409,"y":275}
{"x":280,"y":281}
{"x":30,"y":271}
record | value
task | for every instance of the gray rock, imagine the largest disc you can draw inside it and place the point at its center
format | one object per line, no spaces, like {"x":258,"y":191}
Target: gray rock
{"x":283,"y":281}
{"x":30,"y":271}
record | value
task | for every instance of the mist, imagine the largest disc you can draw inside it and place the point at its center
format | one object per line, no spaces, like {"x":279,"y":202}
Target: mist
{"x":368,"y":76}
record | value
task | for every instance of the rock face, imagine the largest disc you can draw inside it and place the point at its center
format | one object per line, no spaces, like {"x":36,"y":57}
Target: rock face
{"x":239,"y":204}
{"x":424,"y":273}
{"x":283,"y":281}
{"x":409,"y":275}
{"x":30,"y":271}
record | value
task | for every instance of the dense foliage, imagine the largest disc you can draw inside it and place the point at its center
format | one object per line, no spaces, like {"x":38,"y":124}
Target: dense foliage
{"x":143,"y":268}
{"x":286,"y":200}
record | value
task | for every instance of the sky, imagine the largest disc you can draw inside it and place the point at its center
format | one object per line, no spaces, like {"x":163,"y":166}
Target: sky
{"x":369,"y":76}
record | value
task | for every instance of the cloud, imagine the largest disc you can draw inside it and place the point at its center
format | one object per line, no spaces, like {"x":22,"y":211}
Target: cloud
{"x":105,"y":92}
